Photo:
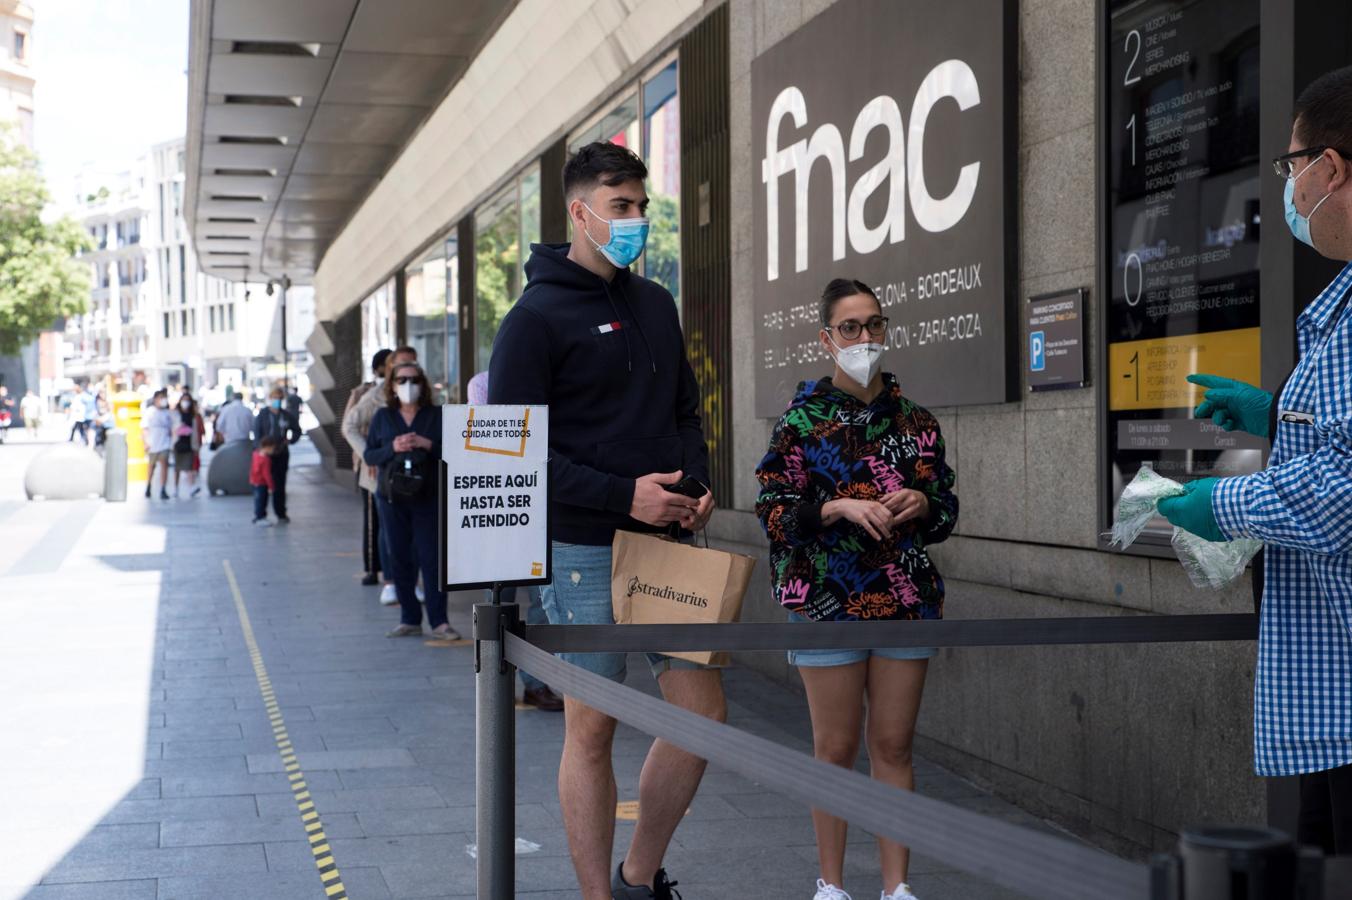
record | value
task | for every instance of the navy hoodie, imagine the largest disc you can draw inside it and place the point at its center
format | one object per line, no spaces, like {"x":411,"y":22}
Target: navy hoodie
{"x":608,"y":358}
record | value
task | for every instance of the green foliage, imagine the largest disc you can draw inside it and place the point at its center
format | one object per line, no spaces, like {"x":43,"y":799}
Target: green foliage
{"x":40,"y":281}
{"x":662,"y":256}
{"x":497,"y":261}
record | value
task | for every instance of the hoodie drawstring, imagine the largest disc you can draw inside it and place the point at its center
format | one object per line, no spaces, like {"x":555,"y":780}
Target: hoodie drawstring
{"x":652,"y":358}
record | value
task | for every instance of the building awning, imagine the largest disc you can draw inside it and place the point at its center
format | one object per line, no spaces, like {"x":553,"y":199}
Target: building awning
{"x":296,"y":109}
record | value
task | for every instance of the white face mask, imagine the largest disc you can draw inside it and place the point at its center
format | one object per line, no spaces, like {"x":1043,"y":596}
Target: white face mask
{"x":861,"y":362}
{"x":408,"y":393}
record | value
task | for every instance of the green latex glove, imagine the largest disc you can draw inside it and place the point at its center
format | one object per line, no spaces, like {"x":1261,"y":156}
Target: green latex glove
{"x":1192,"y":511}
{"x":1233,"y":404}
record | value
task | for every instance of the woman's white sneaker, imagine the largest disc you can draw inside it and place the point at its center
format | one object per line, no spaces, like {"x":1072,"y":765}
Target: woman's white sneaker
{"x":388,"y":595}
{"x":903,"y":892}
{"x":829,"y":892}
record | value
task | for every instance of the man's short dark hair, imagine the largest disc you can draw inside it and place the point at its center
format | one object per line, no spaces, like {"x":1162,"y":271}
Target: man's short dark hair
{"x":378,"y":360}
{"x":1324,"y":112}
{"x":600,"y":162}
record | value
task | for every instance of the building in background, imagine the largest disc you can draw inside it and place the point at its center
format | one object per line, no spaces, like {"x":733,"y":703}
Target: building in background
{"x":39,"y":359}
{"x":154,"y":316}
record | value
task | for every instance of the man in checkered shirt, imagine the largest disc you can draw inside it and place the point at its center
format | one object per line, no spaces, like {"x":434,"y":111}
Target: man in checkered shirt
{"x":1300,"y":506}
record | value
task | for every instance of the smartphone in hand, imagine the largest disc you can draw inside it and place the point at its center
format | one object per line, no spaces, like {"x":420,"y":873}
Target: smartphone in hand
{"x":688,"y":487}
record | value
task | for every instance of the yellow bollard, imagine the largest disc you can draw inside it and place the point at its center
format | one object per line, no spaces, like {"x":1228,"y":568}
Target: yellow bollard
{"x":127,"y":411}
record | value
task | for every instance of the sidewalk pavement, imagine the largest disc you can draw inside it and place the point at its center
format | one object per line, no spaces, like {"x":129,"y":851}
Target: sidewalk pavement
{"x":140,"y":761}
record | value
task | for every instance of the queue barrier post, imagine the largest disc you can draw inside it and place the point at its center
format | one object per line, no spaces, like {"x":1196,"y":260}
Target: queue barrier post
{"x":1245,"y":862}
{"x":495,"y":749}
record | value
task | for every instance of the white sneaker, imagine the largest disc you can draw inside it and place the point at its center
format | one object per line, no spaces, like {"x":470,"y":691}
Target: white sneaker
{"x":262,"y":523}
{"x":829,"y":892}
{"x":418,"y":592}
{"x":388,"y":595}
{"x":903,"y":892}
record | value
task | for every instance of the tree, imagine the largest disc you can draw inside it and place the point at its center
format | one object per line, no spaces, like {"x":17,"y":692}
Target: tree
{"x":40,"y":279}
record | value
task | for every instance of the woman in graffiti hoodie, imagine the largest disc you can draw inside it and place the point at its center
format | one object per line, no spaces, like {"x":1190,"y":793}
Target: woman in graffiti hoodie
{"x":853,"y":488}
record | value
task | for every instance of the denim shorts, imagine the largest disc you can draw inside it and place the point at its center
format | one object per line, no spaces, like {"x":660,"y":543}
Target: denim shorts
{"x":580,"y":595}
{"x":824,"y":658}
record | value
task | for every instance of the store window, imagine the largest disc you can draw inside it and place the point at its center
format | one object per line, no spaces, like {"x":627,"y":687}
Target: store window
{"x":425,"y":305}
{"x":647,"y":120}
{"x":377,"y":323}
{"x":453,"y":318}
{"x":505,"y":226}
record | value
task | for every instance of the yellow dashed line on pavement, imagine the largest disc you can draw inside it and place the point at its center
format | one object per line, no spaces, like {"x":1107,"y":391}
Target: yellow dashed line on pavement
{"x":314,"y":827}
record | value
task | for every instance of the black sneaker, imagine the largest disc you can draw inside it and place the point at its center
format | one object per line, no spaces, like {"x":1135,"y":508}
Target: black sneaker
{"x":370,"y":580}
{"x":661,"y":889}
{"x":164,"y":495}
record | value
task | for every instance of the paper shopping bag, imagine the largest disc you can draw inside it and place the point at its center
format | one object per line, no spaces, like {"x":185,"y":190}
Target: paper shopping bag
{"x":657,"y":581}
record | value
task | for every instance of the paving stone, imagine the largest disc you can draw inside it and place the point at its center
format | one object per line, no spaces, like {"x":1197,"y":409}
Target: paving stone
{"x":204,"y":832}
{"x":122,"y":864}
{"x":334,"y":759}
{"x":183,"y":809}
{"x":140,"y":889}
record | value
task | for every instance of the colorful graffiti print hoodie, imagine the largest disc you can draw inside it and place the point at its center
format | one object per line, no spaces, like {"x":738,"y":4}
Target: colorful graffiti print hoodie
{"x":830,"y":445}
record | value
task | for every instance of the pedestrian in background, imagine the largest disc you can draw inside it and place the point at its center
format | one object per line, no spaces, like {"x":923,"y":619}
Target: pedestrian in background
{"x":157,"y":431}
{"x":404,"y":443}
{"x":534,"y":692}
{"x":188,"y":432}
{"x":853,"y":489}
{"x":234,"y":420}
{"x":260,"y":477}
{"x":354,"y":433}
{"x":275,"y":422}
{"x":31,"y":408}
{"x":356,"y":425}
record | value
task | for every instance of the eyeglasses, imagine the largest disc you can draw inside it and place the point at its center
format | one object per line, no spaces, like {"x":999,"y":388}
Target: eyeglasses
{"x":850,"y":329}
{"x":406,"y":379}
{"x":1285,"y":165}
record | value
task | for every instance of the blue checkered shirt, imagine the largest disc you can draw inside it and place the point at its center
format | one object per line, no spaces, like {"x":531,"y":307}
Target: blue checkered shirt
{"x":1300,"y":506}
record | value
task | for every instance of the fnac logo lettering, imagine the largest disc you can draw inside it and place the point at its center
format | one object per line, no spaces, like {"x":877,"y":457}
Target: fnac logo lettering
{"x":901,"y":172}
{"x":537,"y":570}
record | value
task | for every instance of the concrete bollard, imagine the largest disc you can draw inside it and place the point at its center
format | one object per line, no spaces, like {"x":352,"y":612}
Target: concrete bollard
{"x":64,"y":472}
{"x":115,"y":466}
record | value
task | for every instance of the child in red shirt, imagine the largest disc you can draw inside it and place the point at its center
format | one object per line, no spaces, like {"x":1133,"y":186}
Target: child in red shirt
{"x":260,"y":476}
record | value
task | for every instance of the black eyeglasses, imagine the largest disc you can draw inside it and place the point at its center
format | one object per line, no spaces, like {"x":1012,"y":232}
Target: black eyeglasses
{"x":406,"y":379}
{"x":1285,"y":165}
{"x":850,"y":329}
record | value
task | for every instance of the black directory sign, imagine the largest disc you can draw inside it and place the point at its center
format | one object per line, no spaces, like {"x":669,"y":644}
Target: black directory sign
{"x":883,"y":146}
{"x":1180,"y":266}
{"x":1056,"y":341}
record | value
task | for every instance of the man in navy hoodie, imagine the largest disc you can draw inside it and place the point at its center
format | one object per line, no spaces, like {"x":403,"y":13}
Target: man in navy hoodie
{"x":603,"y":348}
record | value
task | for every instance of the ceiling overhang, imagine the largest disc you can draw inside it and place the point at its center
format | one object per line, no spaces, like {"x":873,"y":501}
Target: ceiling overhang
{"x":296,"y":109}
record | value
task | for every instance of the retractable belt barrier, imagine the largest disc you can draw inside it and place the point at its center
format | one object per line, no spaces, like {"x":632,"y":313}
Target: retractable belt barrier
{"x":1127,"y":629}
{"x":1037,"y":863}
{"x":1042,"y":865}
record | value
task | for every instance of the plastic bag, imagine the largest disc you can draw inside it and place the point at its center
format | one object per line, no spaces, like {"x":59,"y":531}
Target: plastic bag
{"x":1209,"y":564}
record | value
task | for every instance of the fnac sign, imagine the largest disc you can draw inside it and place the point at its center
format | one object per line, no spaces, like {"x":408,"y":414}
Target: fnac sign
{"x":901,"y":173}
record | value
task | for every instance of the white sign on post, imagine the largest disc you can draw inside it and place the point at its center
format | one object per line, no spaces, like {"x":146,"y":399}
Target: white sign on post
{"x":496,"y":496}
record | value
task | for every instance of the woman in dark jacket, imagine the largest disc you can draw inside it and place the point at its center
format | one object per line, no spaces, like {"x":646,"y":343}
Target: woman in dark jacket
{"x":404,"y":443}
{"x":853,"y":488}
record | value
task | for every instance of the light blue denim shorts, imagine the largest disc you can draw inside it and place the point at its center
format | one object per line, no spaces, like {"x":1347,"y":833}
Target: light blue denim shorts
{"x":580,"y":595}
{"x":824,"y":658}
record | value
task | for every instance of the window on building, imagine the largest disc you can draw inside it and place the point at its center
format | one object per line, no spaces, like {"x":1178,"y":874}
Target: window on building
{"x":646,"y":119}
{"x":377,"y":322}
{"x":211,"y":320}
{"x":425,"y":308}
{"x":168,"y":325}
{"x":504,"y":227}
{"x":453,"y":317}
{"x":183,"y":322}
{"x":133,"y":230}
{"x":231,"y":309}
{"x":182,"y":275}
{"x":192,"y":321}
{"x":20,"y":45}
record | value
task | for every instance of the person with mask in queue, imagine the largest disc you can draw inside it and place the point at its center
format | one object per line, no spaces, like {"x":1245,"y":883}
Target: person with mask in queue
{"x":274,"y":421}
{"x":1300,"y":505}
{"x":404,"y":444}
{"x":189,"y":429}
{"x":356,"y":425}
{"x":854,"y":487}
{"x":370,"y":525}
{"x":603,"y":348}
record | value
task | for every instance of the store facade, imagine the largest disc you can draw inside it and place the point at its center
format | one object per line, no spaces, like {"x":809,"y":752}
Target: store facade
{"x":964,"y":160}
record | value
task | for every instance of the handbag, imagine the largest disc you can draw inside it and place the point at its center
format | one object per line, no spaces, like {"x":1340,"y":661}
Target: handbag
{"x":404,"y":478}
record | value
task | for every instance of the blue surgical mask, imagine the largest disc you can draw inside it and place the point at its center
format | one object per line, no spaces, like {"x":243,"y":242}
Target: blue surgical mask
{"x":627,"y":239}
{"x":1300,"y":225}
{"x":275,"y":404}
